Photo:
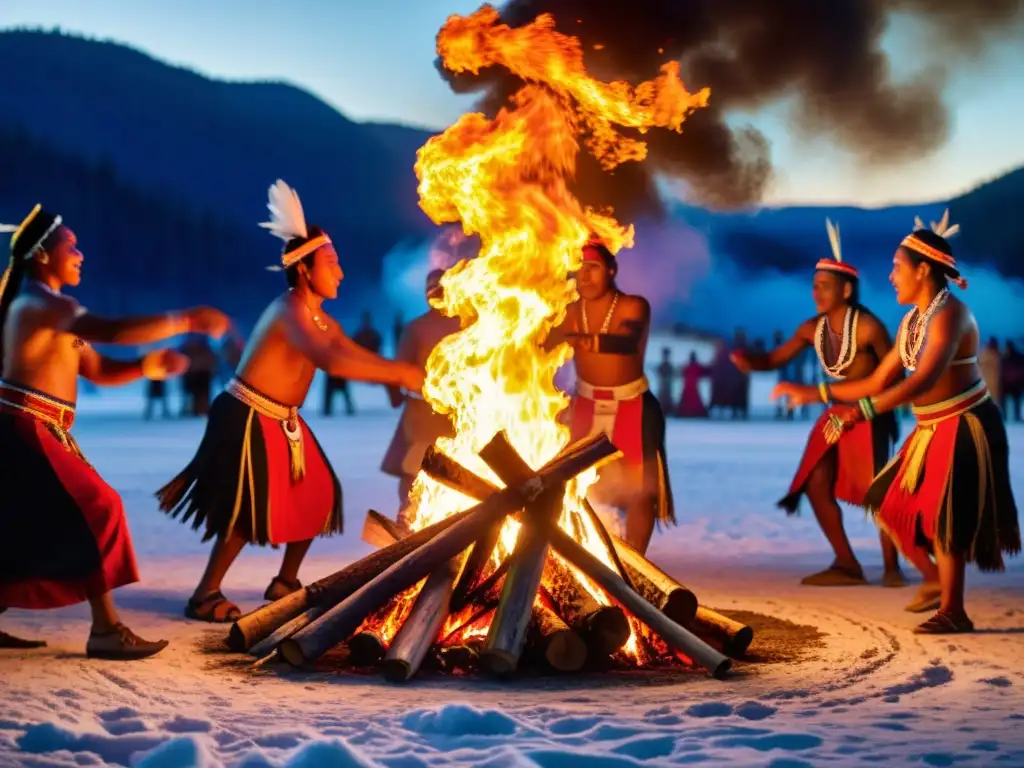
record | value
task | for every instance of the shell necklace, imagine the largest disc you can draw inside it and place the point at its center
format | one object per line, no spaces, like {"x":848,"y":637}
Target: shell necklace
{"x":607,"y":318}
{"x":910,"y":340}
{"x":317,"y":320}
{"x":848,"y":348}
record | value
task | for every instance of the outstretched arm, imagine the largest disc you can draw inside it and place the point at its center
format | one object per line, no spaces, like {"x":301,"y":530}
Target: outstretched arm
{"x":778,"y":357}
{"x":106,"y":371}
{"x":140,"y":330}
{"x":329,"y":352}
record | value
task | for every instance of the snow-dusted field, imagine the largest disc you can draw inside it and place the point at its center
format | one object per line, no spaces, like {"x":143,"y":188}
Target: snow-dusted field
{"x":873,"y":693}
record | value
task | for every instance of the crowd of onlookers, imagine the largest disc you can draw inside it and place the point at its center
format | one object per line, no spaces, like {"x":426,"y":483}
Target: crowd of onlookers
{"x":1002,"y":366}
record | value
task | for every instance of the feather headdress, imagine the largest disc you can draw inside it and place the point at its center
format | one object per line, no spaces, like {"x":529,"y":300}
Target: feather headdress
{"x":943,"y":229}
{"x":836,"y":263}
{"x":940,"y":227}
{"x":288,"y":222}
{"x":27,"y":238}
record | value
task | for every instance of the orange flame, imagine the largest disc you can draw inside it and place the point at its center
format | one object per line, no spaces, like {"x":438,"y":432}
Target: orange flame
{"x":506,"y":180}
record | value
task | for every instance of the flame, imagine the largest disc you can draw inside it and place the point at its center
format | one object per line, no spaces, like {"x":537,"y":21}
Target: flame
{"x":506,"y":180}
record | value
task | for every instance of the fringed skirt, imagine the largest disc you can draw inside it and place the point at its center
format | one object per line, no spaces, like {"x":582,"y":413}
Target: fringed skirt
{"x":64,"y":537}
{"x":862,"y":452}
{"x":948,"y":488}
{"x":632,"y":419}
{"x":259,"y":472}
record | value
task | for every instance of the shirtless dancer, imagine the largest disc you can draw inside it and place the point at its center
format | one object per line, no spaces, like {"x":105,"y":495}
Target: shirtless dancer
{"x":259,"y":475}
{"x":844,"y":470}
{"x":420,"y":425}
{"x":64,"y":538}
{"x":947,"y":493}
{"x":609,"y":331}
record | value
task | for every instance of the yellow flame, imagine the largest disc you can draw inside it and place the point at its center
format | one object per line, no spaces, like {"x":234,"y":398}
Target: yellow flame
{"x":506,"y":180}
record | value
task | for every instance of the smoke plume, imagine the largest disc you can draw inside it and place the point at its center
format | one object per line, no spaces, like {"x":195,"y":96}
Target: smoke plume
{"x":823,"y":55}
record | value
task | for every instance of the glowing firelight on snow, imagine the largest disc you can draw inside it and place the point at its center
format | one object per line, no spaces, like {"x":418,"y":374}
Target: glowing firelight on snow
{"x":506,"y":180}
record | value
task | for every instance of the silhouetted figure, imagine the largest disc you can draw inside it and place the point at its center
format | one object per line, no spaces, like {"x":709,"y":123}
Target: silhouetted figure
{"x":665,"y":373}
{"x":198,"y":380}
{"x":367,"y":337}
{"x":1012,"y":380}
{"x":156,"y":393}
{"x":690,"y":404}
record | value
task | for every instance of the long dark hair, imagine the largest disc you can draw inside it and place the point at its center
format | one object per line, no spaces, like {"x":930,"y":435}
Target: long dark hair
{"x":15,"y":276}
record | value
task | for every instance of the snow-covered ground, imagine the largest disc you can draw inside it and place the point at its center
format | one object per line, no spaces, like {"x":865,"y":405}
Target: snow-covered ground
{"x":873,"y":693}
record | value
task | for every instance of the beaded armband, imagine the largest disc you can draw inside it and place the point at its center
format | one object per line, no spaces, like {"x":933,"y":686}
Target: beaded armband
{"x":867,"y":408}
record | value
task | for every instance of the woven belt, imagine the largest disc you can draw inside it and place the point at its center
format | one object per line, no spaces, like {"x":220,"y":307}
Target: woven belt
{"x":623,"y":392}
{"x":287,"y":415}
{"x":56,"y":415}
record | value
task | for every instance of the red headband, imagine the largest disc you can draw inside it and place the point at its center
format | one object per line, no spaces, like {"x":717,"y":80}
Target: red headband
{"x":831,"y":265}
{"x":590,"y":253}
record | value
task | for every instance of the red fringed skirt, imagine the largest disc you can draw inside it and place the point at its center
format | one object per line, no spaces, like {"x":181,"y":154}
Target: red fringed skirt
{"x":242,"y":477}
{"x":63,"y":533}
{"x":633,"y":420}
{"x":949,"y":485}
{"x":861,"y":453}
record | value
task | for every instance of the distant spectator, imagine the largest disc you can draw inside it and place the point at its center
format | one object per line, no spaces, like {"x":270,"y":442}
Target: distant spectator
{"x":991,"y":364}
{"x":1012,"y":381}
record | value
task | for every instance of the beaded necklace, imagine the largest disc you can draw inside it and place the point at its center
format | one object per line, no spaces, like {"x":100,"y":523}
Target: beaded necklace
{"x":607,"y":318}
{"x":848,"y":348}
{"x":910,"y":340}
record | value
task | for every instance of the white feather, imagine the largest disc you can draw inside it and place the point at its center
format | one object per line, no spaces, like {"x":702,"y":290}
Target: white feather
{"x":951,"y":231}
{"x":918,"y":224}
{"x":833,"y":238}
{"x":9,"y":227}
{"x":287,"y":220}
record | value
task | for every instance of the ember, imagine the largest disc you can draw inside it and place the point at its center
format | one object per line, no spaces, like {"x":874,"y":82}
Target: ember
{"x":529,"y":571}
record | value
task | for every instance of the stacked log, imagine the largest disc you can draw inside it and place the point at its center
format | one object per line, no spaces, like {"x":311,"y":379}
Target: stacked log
{"x":550,"y":601}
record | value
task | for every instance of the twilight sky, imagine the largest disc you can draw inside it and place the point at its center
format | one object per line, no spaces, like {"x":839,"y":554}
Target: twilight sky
{"x":374,"y":60}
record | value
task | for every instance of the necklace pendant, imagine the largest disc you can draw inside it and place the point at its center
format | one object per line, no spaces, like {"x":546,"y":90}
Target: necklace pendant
{"x":319,"y":323}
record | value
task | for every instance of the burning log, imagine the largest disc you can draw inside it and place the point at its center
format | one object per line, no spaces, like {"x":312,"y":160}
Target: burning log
{"x":312,"y":641}
{"x":262,"y":622}
{"x":366,"y":648}
{"x":552,"y":640}
{"x":286,"y":630}
{"x":656,"y":586}
{"x":733,"y":638}
{"x":421,"y":627}
{"x":507,"y":635}
{"x":673,"y":634}
{"x":381,"y":531}
{"x":604,"y":628}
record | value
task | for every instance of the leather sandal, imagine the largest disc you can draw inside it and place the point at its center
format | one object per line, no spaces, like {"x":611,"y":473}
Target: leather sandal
{"x":281,"y":588}
{"x":943,"y":623}
{"x":214,"y":608}
{"x":12,"y":642}
{"x":121,"y":644}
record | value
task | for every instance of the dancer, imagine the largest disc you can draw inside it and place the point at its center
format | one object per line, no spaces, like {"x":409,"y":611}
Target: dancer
{"x":420,"y":425}
{"x":830,"y":472}
{"x":947,"y":492}
{"x":259,"y":475}
{"x":65,"y":539}
{"x":612,"y":394}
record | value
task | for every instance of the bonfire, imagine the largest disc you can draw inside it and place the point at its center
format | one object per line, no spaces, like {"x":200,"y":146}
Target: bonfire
{"x":501,"y":560}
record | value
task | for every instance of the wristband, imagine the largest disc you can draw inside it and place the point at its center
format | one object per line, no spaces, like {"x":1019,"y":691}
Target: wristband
{"x":867,"y":408}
